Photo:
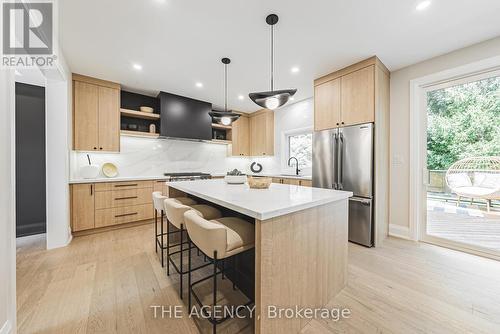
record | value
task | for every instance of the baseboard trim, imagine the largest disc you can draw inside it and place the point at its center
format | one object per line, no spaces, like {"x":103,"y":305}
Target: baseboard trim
{"x":399,"y":231}
{"x":6,"y":328}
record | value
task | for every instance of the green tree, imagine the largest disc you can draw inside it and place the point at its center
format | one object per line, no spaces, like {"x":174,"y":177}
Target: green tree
{"x":463,"y":121}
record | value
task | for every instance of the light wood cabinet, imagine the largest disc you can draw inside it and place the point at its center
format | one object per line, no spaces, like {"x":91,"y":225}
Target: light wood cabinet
{"x":240,"y":137}
{"x":82,"y":207}
{"x":85,"y":116}
{"x":96,"y":114}
{"x":109,"y":119}
{"x":327,"y":105}
{"x":262,"y":133}
{"x":358,"y":96}
{"x":348,"y":96}
{"x":297,"y":182}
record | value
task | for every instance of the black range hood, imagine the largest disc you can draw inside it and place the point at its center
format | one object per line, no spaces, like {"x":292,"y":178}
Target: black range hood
{"x":182,"y":117}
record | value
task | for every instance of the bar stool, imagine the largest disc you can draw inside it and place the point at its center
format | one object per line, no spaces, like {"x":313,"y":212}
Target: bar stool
{"x":175,"y":210}
{"x":219,"y":239}
{"x":158,"y":199}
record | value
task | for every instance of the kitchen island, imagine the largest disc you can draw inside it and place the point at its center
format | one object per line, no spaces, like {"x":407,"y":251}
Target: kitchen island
{"x":300,"y":244}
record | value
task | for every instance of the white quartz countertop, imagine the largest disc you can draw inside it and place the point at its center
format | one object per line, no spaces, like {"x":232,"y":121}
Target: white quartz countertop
{"x":261,"y":204}
{"x":117,"y":179}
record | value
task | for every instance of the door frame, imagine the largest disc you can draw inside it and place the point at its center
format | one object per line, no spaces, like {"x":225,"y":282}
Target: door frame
{"x":418,"y":148}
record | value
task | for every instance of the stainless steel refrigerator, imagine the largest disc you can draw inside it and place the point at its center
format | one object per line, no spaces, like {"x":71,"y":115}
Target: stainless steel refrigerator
{"x":343,"y":160}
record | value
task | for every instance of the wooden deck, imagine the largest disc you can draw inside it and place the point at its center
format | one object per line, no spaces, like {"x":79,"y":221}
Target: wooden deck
{"x":467,"y":224}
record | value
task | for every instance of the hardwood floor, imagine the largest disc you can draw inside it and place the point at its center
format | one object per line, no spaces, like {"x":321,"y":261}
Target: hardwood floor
{"x":106,"y":283}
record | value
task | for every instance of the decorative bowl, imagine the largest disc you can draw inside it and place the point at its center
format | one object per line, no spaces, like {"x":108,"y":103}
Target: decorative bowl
{"x":235,"y":179}
{"x":109,"y":169}
{"x":259,"y":182}
{"x":146,"y":109}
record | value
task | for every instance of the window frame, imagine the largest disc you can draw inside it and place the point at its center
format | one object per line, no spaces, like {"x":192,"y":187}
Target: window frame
{"x":285,"y":146}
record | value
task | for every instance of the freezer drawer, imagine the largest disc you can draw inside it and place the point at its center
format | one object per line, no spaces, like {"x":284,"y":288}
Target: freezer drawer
{"x":360,"y":221}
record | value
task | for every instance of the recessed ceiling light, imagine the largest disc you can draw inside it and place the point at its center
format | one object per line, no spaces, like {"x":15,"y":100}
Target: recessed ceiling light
{"x":137,"y":67}
{"x":295,"y":69}
{"x":423,"y":5}
{"x":199,"y":84}
{"x":240,"y":97}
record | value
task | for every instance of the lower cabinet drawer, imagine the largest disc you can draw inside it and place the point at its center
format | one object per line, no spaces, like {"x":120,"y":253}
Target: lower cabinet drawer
{"x":115,"y":216}
{"x":106,"y":186}
{"x":121,"y":198}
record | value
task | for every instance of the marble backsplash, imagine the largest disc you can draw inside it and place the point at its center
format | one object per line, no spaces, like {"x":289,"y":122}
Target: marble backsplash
{"x":153,"y":157}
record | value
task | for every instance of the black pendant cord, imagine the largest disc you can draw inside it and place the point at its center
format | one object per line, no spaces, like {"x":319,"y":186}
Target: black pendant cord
{"x":272,"y":57}
{"x":225,"y":87}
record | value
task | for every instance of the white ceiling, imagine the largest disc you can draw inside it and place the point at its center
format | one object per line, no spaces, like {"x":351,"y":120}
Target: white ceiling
{"x":181,"y":42}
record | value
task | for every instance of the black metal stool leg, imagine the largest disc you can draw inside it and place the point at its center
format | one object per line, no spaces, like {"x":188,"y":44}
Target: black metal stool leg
{"x":189,"y":274}
{"x":214,"y":324}
{"x":161,"y":238}
{"x":156,"y":231}
{"x":181,"y":266}
{"x":168,"y":247}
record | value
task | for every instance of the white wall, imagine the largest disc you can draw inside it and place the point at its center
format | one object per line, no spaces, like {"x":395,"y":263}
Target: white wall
{"x":58,"y":143}
{"x":400,"y":120}
{"x":299,"y":115}
{"x":7,"y":205}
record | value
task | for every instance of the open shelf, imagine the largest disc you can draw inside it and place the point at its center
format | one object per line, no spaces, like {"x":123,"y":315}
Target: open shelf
{"x":220,"y":126}
{"x":139,"y":134}
{"x":139,"y":114}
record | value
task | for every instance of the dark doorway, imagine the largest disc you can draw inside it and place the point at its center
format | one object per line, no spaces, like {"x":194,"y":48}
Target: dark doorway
{"x":30,"y":160}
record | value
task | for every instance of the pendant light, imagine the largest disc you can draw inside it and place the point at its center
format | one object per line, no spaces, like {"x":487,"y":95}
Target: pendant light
{"x":274,"y":98}
{"x":224,"y":117}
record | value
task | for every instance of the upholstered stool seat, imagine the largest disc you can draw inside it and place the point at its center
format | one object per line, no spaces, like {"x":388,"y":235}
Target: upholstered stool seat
{"x":218,"y":239}
{"x":175,"y":209}
{"x":227,"y":235}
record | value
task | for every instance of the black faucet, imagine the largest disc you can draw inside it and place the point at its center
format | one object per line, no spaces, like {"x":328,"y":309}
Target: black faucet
{"x":297,"y":170}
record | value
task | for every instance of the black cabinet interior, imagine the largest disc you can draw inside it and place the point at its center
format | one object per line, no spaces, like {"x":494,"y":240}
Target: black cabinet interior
{"x":30,"y":160}
{"x":134,"y":101}
{"x":183,"y":117}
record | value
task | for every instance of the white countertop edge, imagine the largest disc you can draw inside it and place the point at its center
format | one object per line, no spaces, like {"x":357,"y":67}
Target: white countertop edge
{"x":344,"y":195}
{"x":159,"y":177}
{"x":117,"y":179}
{"x":281,"y":176}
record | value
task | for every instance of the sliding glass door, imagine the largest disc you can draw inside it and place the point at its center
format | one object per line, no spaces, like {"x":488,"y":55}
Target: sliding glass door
{"x":463,"y":164}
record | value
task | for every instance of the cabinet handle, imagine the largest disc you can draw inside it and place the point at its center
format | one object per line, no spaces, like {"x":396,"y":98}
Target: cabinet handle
{"x":95,"y":148}
{"x":122,"y":198}
{"x":338,"y":123}
{"x":100,"y":148}
{"x":342,"y":122}
{"x":91,"y":190}
{"x":126,"y":214}
{"x":126,"y":185}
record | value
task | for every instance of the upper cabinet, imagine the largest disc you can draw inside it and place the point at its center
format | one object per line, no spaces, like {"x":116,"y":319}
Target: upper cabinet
{"x":240,"y":136}
{"x":262,"y":133}
{"x":348,"y":96}
{"x":96,"y":114}
{"x":327,"y":105}
{"x":358,"y":96}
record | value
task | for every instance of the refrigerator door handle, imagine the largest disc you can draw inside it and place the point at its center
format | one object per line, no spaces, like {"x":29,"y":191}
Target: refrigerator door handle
{"x":335,"y":153}
{"x":340,"y":160}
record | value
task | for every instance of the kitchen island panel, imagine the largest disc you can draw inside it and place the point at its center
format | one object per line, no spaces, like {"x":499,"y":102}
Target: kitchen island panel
{"x":300,"y":260}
